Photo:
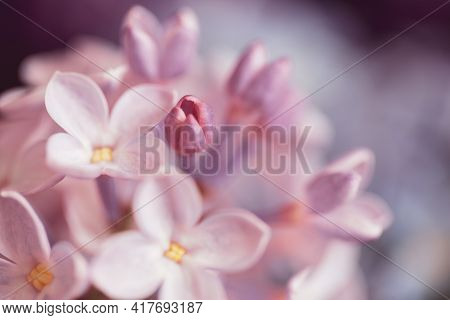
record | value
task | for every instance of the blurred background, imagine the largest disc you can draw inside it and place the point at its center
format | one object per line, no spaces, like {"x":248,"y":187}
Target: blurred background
{"x":397,"y":101}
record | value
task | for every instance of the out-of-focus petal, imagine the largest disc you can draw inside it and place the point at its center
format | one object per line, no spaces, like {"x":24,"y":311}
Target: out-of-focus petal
{"x":162,"y":204}
{"x":364,"y":219}
{"x":250,"y":62}
{"x":140,"y":108}
{"x":76,"y":103}
{"x":13,"y":284}
{"x":129,"y":267}
{"x":327,"y":278}
{"x":85,"y":213}
{"x":179,"y":44}
{"x":67,"y":155}
{"x":143,"y":19}
{"x":328,"y":191}
{"x":264,"y":89}
{"x":360,"y":161}
{"x":187,"y":282}
{"x":31,"y":173}
{"x":69,"y":270}
{"x":231,"y":240}
{"x":141,"y":52}
{"x":22,"y":236}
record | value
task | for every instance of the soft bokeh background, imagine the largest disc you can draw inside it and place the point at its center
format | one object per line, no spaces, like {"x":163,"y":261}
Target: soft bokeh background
{"x":396,"y":102}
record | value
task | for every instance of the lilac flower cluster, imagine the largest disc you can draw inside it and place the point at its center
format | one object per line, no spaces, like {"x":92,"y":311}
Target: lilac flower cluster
{"x":79,"y":217}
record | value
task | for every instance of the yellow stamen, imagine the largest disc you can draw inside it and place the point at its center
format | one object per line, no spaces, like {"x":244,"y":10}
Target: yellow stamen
{"x":40,"y":277}
{"x":175,"y":252}
{"x":103,"y":154}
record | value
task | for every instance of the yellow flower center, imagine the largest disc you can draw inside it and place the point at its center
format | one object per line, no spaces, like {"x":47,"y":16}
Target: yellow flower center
{"x":103,"y":154}
{"x":40,"y":277}
{"x":175,"y":252}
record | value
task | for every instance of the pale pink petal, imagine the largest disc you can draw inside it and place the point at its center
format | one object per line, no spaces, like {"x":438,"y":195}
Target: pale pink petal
{"x":162,"y":204}
{"x":67,"y":155}
{"x":21,"y":102}
{"x":13,"y":285}
{"x":143,"y":156}
{"x":329,"y":190}
{"x":140,"y":108}
{"x":250,"y":62}
{"x":22,"y":236}
{"x":140,"y":36}
{"x":85,"y":213}
{"x":141,"y":52}
{"x":140,"y":17}
{"x":363,"y":219}
{"x":360,"y":161}
{"x":129,"y":266}
{"x":187,"y":282}
{"x":31,"y":173}
{"x":69,"y":270}
{"x":230,"y":240}
{"x":267,"y":85}
{"x":179,"y":44}
{"x":324,"y":280}
{"x":76,"y":103}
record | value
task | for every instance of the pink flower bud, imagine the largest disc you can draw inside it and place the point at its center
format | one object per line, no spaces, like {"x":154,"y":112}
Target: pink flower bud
{"x":186,"y":126}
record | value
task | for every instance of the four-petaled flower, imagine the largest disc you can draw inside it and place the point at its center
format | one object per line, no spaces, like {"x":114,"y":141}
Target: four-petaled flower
{"x":177,"y":249}
{"x":29,"y":268}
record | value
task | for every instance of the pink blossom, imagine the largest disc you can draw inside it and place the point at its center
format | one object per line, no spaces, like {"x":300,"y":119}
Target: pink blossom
{"x":99,"y":140}
{"x":259,"y":90}
{"x":188,"y":126}
{"x":335,"y":273}
{"x":157,"y":52}
{"x":337,"y":196}
{"x":176,"y":249}
{"x":30,"y":269}
{"x":86,"y":55}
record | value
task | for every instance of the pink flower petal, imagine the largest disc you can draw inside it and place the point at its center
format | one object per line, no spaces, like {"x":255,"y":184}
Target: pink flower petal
{"x":67,"y":155}
{"x":22,"y":236}
{"x":364,"y":219}
{"x":13,"y":284}
{"x":329,"y":190}
{"x":250,"y":62}
{"x":265,"y":88}
{"x":141,"y":52}
{"x":179,"y":44}
{"x":329,"y":276}
{"x":163,"y":204}
{"x":85,"y":213}
{"x":31,"y":173}
{"x":230,"y":240}
{"x":129,"y":266}
{"x":140,"y":108}
{"x":76,"y":103}
{"x":141,"y":18}
{"x":360,"y":161}
{"x":69,"y":270}
{"x":187,"y":282}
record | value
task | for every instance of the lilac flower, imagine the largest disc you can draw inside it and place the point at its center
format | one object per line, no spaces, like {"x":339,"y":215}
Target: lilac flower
{"x":337,"y":194}
{"x":176,"y":249}
{"x":259,"y":90}
{"x":29,"y":268}
{"x":155,"y":52}
{"x":188,"y":126}
{"x":87,"y":55}
{"x":99,"y":140}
